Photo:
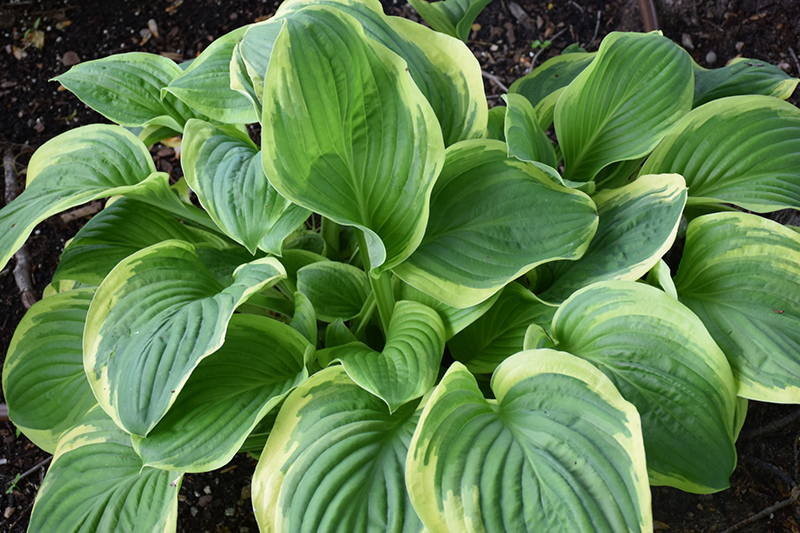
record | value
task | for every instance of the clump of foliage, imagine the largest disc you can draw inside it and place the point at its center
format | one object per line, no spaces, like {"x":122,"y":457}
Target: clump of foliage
{"x":419,"y":314}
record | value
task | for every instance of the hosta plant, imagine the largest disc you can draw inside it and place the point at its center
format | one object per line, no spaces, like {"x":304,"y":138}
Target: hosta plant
{"x":419,"y":315}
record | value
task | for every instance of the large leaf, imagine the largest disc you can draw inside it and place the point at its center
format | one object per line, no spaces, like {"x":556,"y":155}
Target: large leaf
{"x":492,"y":219}
{"x":638,"y":225}
{"x":336,"y":290}
{"x":741,"y":76}
{"x":348,"y":134}
{"x":500,"y":332}
{"x":558,"y":450}
{"x":740,"y":150}
{"x":661,"y":358}
{"x":153,"y":319}
{"x":623,"y":103}
{"x":206,"y":84}
{"x":334,"y":462}
{"x":453,"y":17}
{"x":409,"y":364}
{"x":223,"y":166}
{"x":740,"y":274}
{"x":226,"y":396}
{"x":126,"y":89}
{"x":43,"y":379}
{"x":96,"y":482}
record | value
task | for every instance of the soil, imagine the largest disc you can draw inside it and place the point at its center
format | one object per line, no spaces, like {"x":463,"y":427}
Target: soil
{"x":763,"y":492}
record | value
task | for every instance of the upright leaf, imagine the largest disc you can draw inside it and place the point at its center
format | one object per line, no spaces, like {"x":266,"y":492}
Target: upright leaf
{"x":526,"y":139}
{"x":336,"y":290}
{"x":453,"y":17}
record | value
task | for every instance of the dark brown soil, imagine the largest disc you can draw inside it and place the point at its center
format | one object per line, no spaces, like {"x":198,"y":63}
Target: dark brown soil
{"x":33,"y":111}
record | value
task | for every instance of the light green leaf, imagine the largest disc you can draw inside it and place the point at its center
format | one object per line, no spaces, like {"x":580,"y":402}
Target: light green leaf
{"x":336,"y":290}
{"x":43,"y":379}
{"x":409,"y":364}
{"x":638,"y":224}
{"x":453,"y":17}
{"x":251,"y":59}
{"x":495,"y":127}
{"x":500,"y":332}
{"x":559,"y":450}
{"x":527,"y":141}
{"x":492,"y":219}
{"x":126,"y":89}
{"x":742,"y":76}
{"x":623,"y":103}
{"x":661,"y":358}
{"x":304,"y":320}
{"x":661,"y":278}
{"x":153,"y":319}
{"x":96,"y":482}
{"x":228,"y":393}
{"x":223,"y":166}
{"x":375,"y":172}
{"x":206,"y":84}
{"x":740,"y":150}
{"x":334,"y":462}
{"x":740,"y":274}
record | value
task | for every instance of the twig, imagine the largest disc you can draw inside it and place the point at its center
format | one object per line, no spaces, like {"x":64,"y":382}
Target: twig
{"x":576,"y":5}
{"x":787,"y":479}
{"x":3,"y":413}
{"x":772,"y":426}
{"x":540,"y":50}
{"x":796,"y":62}
{"x":761,"y":514}
{"x":81,"y":212}
{"x":497,"y":81}
{"x":27,"y":473}
{"x":596,"y":29}
{"x":22,"y":515}
{"x":22,"y":270}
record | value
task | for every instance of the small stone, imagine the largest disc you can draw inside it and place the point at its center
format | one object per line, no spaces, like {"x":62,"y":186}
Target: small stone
{"x":9,"y":511}
{"x":711,"y":57}
{"x":153,"y":27}
{"x":70,"y":58}
{"x":233,"y":16}
{"x":204,"y":500}
{"x":494,"y":48}
{"x":207,"y":489}
{"x":476,"y":27}
{"x":230,"y":511}
{"x":193,"y":510}
{"x":245,"y":494}
{"x":739,"y":46}
{"x":784,"y":66}
{"x":686,"y":40}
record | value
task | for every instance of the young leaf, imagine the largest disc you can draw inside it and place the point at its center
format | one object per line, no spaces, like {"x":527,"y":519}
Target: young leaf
{"x":742,"y":76}
{"x":651,"y":346}
{"x":453,"y":17}
{"x":336,"y":290}
{"x":226,"y":396}
{"x":623,"y":103}
{"x":492,"y":219}
{"x":348,"y":134}
{"x":334,"y":461}
{"x":559,"y":450}
{"x":740,"y":150}
{"x":153,"y":319}
{"x":527,"y":141}
{"x":739,"y":274}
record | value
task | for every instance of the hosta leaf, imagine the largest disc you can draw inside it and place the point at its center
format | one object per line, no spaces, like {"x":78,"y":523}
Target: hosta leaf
{"x":740,"y":150}
{"x":251,"y":58}
{"x":43,"y":379}
{"x":334,"y":462}
{"x":742,"y":76}
{"x":126,"y":89}
{"x":304,"y":320}
{"x":661,"y":278}
{"x":96,"y":482}
{"x":206,"y":84}
{"x":453,"y":17}
{"x":226,"y":396}
{"x":223,"y":166}
{"x":638,"y":224}
{"x":444,"y":69}
{"x":349,"y":134}
{"x":661,"y":358}
{"x":623,"y":103}
{"x":495,"y":127}
{"x":409,"y":364}
{"x":336,"y":290}
{"x":559,"y":450}
{"x":500,"y":332}
{"x":492,"y":219}
{"x":739,"y":274}
{"x":153,"y":319}
{"x":125,"y":226}
{"x":526,"y":139}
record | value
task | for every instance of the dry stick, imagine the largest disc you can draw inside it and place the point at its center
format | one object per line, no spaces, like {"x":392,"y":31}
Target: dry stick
{"x":772,"y":426}
{"x":22,"y":270}
{"x":31,"y":471}
{"x":497,"y":81}
{"x":596,"y":28}
{"x":3,"y":412}
{"x":647,"y":9}
{"x":796,"y":62}
{"x":761,"y":514}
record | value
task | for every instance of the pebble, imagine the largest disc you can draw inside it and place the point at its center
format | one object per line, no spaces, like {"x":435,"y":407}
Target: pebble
{"x":193,"y":510}
{"x":230,"y":511}
{"x":70,"y":58}
{"x":711,"y":57}
{"x":686,"y":40}
{"x":204,"y":500}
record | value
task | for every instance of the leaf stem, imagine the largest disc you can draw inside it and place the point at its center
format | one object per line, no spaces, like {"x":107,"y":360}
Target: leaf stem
{"x":381,"y":284}
{"x":330,"y":234}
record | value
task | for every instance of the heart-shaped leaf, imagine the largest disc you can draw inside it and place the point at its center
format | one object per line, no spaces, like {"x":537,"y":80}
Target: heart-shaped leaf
{"x":526,"y":139}
{"x":336,"y":290}
{"x":742,"y":76}
{"x":453,"y":17}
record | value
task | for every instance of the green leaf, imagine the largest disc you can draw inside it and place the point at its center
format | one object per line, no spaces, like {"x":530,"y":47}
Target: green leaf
{"x":661,"y":358}
{"x":660,"y":277}
{"x":334,"y":462}
{"x":336,"y":290}
{"x":349,"y":134}
{"x":740,"y":150}
{"x":96,"y":482}
{"x":251,"y":59}
{"x":492,"y":219}
{"x":500,"y":332}
{"x":153,"y":319}
{"x":527,"y":141}
{"x":228,"y":393}
{"x":206,"y":84}
{"x":742,"y":76}
{"x":623,"y":103}
{"x":409,"y":364}
{"x":126,"y":89}
{"x":740,"y":273}
{"x":453,"y":17}
{"x":495,"y":127}
{"x":223,"y":166}
{"x":559,"y":450}
{"x":43,"y":379}
{"x":304,"y":320}
{"x":638,"y":224}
